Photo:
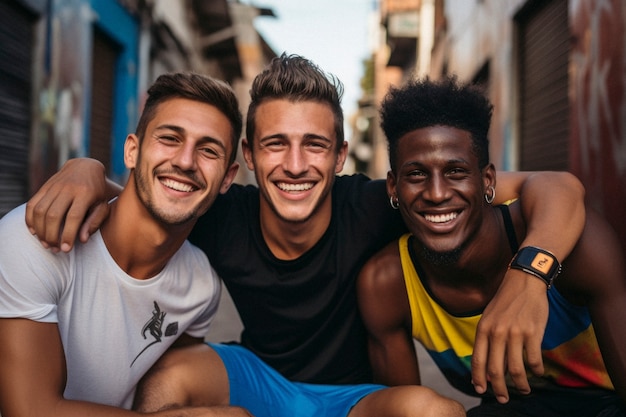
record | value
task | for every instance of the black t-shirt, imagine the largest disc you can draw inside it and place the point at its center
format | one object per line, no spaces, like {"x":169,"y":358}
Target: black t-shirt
{"x":301,"y":316}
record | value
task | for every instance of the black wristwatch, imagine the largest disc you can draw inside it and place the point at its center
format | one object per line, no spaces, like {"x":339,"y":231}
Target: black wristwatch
{"x":537,"y":262}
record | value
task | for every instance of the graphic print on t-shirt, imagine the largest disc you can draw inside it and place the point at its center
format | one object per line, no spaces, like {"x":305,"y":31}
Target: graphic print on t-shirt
{"x":154,"y":325}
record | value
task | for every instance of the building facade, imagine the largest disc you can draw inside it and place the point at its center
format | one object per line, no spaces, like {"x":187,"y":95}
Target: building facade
{"x":74,"y":73}
{"x":555,"y":71}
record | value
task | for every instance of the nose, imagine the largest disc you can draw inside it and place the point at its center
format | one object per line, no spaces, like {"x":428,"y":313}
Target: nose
{"x":436,"y":189}
{"x":185,"y":157}
{"x":295,"y":162}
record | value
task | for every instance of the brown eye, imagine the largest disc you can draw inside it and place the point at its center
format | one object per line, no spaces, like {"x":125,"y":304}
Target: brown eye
{"x":210,"y":153}
{"x":167,"y":138}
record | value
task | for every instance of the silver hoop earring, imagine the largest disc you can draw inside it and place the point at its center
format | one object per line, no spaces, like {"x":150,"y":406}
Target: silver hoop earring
{"x":489,"y":199}
{"x":394,"y":202}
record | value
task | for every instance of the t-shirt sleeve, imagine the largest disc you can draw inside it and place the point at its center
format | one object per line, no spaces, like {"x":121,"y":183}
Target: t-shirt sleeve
{"x":370,"y":205}
{"x":208,"y":278}
{"x":31,"y":277}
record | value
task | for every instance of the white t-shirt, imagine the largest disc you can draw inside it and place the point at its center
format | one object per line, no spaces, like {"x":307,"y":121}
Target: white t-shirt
{"x":113,"y":327}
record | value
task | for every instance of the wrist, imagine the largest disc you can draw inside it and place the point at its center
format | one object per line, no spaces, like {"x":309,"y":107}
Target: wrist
{"x":537,"y":262}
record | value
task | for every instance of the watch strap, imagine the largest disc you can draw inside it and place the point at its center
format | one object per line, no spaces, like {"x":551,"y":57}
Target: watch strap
{"x":537,"y":262}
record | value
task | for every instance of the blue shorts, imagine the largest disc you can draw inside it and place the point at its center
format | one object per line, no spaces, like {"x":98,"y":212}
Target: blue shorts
{"x":264,"y":392}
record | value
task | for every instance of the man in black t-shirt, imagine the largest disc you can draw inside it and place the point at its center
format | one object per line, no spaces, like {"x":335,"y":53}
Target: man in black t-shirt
{"x":289,"y":251}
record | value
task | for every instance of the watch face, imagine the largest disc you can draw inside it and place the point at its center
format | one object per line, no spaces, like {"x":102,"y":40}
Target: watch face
{"x":542,"y":263}
{"x":537,"y":262}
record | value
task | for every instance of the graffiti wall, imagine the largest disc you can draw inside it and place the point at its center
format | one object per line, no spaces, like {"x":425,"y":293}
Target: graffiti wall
{"x":598,"y":105}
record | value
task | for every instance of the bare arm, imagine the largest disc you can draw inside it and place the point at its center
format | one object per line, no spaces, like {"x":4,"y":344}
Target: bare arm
{"x":33,"y":377}
{"x":72,"y":203}
{"x":514,"y":322}
{"x":553,"y":207}
{"x":384,"y":307}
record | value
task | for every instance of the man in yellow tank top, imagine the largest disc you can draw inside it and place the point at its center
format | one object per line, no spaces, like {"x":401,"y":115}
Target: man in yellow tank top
{"x":433,"y":284}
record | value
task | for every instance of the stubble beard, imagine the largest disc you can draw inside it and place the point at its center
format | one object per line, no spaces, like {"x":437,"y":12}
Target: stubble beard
{"x":143,"y":194}
{"x":442,"y":258}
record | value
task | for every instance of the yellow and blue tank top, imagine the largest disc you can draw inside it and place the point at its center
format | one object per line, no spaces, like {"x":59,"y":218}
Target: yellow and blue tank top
{"x":570,"y":351}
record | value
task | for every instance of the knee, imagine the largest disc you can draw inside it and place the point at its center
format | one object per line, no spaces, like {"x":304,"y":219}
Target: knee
{"x":438,"y":405}
{"x":407,"y":401}
{"x":425,"y":402}
{"x":163,"y":386}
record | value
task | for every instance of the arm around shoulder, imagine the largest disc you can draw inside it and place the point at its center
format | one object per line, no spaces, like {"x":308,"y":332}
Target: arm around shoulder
{"x":512,"y":327}
{"x":553,"y":205}
{"x":73,"y":202}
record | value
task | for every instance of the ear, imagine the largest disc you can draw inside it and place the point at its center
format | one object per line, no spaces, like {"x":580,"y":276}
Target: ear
{"x":391,"y":184}
{"x":341,"y":157}
{"x":231,"y":173}
{"x":489,"y":176}
{"x":246,"y":149}
{"x":131,"y":151}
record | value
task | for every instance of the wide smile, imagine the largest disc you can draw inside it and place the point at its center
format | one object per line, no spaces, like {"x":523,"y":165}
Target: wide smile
{"x":177,"y":185}
{"x":294,"y":188}
{"x":441,"y":217}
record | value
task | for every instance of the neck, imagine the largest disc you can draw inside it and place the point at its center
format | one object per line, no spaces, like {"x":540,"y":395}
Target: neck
{"x":288,"y":240}
{"x":139,"y":244}
{"x":471,"y":282}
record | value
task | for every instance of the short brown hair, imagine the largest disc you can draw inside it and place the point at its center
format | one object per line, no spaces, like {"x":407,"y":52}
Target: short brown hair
{"x":195,"y":87}
{"x":295,"y":78}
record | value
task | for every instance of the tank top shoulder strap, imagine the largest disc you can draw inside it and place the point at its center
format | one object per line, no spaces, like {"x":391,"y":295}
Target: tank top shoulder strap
{"x":508,"y":225}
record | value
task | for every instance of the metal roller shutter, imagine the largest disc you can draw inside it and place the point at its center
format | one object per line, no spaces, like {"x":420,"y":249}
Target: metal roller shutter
{"x":544,"y":106}
{"x":16,"y":40}
{"x":105,"y":54}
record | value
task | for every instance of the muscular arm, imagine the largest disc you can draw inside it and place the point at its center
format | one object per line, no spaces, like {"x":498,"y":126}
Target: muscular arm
{"x":514,"y":322}
{"x":33,"y":373}
{"x":553,"y":207}
{"x":384,"y":307}
{"x":33,"y":377}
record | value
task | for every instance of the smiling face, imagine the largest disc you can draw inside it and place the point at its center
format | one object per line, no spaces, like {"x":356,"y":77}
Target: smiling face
{"x":182,"y":162}
{"x":440,"y":187}
{"x":295,"y":158}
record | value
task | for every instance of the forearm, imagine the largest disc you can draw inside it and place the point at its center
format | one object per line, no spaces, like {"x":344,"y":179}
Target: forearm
{"x":87,"y":169}
{"x":67,"y":408}
{"x":553,"y":207}
{"x":512,"y":326}
{"x":79,"y":409}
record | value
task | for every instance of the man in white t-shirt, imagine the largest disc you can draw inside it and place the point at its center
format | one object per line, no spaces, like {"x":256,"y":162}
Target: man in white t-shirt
{"x":78,"y":330}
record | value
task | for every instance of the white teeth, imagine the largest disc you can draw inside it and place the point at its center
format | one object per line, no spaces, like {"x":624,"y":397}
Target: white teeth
{"x":295,"y":187}
{"x":178,"y":186}
{"x":440,"y":218}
